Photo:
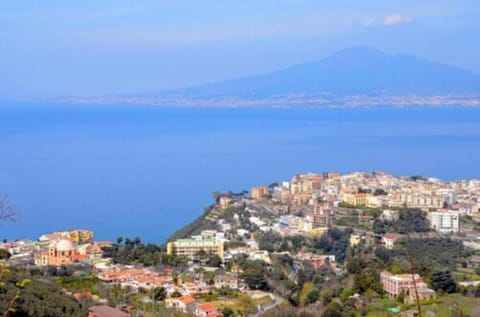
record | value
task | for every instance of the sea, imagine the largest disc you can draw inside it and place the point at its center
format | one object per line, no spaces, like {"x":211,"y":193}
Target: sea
{"x":147,"y":171}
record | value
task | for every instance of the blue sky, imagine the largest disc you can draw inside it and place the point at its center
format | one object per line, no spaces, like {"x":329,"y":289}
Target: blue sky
{"x":61,"y":48}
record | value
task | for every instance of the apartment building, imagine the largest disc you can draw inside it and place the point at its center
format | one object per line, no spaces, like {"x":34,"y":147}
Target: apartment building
{"x":445,"y":221}
{"x":189,"y":248}
{"x":260,"y":192}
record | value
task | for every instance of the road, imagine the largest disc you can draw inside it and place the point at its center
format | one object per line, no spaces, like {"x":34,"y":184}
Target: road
{"x":276,"y":300}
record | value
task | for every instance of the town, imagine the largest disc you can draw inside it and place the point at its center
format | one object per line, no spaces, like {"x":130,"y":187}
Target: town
{"x":358,"y":244}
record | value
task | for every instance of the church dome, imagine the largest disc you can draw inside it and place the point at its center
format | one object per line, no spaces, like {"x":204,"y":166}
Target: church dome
{"x":64,"y":245}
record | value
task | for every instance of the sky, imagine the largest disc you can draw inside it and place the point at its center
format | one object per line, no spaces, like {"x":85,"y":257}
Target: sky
{"x":99,"y":47}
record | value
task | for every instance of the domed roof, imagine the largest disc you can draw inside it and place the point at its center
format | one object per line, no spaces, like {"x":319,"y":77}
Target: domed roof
{"x":64,"y":245}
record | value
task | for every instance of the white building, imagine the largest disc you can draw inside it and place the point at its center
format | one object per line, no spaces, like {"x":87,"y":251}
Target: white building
{"x":445,"y":221}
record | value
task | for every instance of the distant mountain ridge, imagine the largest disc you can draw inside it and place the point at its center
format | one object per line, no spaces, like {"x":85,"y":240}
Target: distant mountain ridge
{"x":354,"y":71}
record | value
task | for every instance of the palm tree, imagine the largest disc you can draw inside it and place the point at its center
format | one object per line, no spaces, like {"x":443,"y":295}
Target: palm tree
{"x":119,"y":240}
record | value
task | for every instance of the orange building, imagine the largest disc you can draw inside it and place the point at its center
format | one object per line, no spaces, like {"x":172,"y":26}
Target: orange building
{"x":60,"y":253}
{"x":259,"y":192}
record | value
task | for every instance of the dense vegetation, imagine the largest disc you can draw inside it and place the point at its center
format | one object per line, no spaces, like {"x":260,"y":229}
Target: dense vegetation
{"x":203,"y":222}
{"x":334,"y":241}
{"x":410,"y":220}
{"x":133,"y":251}
{"x":40,"y":298}
{"x":429,"y":254}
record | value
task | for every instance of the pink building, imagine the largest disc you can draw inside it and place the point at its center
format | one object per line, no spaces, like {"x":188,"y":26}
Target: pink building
{"x":395,"y":284}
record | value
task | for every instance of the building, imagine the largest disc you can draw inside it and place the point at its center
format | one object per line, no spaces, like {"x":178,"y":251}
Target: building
{"x":260,"y":192}
{"x":189,"y":248}
{"x":226,"y":280}
{"x":60,"y":253}
{"x":390,"y":215}
{"x":424,"y":293}
{"x":225,"y":201}
{"x":185,"y":304}
{"x":361,"y":199}
{"x":207,"y":310}
{"x":421,"y":200}
{"x":81,"y":236}
{"x":318,"y":220}
{"x":396,"y":284}
{"x":355,"y":239}
{"x":444,"y":221}
{"x":105,"y":311}
{"x":389,"y":240}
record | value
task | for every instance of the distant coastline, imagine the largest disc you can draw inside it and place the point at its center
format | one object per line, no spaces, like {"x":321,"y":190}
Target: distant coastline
{"x":286,"y":101}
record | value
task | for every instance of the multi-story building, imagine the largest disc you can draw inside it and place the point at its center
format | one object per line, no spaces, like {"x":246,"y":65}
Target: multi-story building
{"x":81,"y":236}
{"x":361,"y":199}
{"x":396,"y":284}
{"x":318,"y":220}
{"x":444,"y":221}
{"x":189,"y":248}
{"x":421,"y":200}
{"x":260,"y":192}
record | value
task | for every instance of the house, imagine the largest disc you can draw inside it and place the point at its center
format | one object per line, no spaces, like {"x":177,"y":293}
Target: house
{"x":226,"y":280}
{"x":355,"y":239}
{"x":390,"y":215}
{"x":185,"y":304}
{"x":207,"y":310}
{"x":225,"y":201}
{"x":389,"y":240}
{"x":105,"y":311}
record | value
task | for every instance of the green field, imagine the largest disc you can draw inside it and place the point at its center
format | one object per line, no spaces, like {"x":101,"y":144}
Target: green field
{"x":443,"y":307}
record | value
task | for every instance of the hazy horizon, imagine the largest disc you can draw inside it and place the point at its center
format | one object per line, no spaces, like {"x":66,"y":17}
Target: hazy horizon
{"x":53,"y":49}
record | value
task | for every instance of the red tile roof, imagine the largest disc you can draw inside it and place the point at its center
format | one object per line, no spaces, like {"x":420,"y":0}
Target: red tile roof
{"x":206,"y":307}
{"x":187,"y":300}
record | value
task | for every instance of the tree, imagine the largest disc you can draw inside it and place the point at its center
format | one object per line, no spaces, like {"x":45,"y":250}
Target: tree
{"x":4,"y":254}
{"x":7,"y":211}
{"x":227,"y":311}
{"x":355,"y":265}
{"x":176,"y":294}
{"x":313,"y":296}
{"x":159,"y":293}
{"x":378,"y":227}
{"x":477,"y":270}
{"x":214,"y":261}
{"x":334,"y":310}
{"x":216,"y":196}
{"x":246,"y":305}
{"x":253,"y":275}
{"x":443,"y":280}
{"x":41,"y":297}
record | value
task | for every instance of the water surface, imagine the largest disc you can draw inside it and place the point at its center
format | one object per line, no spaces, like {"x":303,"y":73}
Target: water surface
{"x":146,"y":171}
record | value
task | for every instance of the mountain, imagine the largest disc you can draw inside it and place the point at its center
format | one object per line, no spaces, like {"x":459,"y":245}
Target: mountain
{"x":354,"y":71}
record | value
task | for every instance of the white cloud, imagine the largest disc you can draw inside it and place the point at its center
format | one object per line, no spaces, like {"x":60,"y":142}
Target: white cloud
{"x":395,"y":19}
{"x":369,"y":23}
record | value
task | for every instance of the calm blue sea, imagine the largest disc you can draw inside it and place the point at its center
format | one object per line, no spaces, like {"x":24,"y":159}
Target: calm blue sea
{"x":146,"y":171}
